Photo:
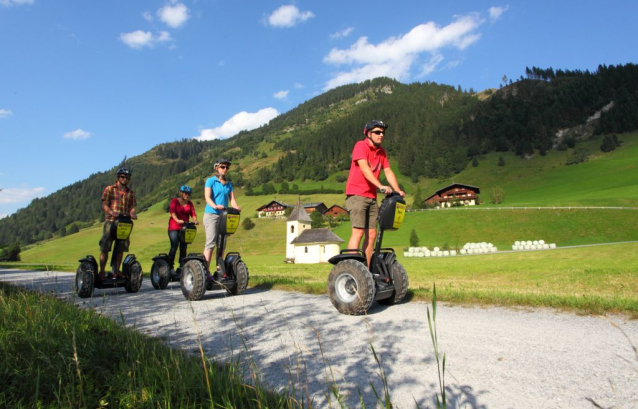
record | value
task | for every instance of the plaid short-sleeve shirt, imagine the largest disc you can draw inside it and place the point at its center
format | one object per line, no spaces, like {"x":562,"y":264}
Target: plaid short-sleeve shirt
{"x":120,"y":200}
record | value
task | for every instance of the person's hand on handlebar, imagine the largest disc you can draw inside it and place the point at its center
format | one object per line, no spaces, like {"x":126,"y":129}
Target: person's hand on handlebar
{"x":134,"y":216}
{"x":180,"y":221}
{"x":113,"y":213}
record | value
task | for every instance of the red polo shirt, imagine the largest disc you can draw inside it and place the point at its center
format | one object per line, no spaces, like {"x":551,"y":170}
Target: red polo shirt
{"x":357,"y":184}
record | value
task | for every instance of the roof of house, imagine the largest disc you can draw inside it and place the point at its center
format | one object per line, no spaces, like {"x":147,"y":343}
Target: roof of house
{"x":313,"y":204}
{"x":273,"y":202}
{"x":443,"y":189}
{"x":311,"y":236}
{"x":335,"y":206}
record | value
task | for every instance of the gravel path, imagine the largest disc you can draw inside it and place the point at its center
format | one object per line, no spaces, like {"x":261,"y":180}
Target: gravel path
{"x":496,"y":357}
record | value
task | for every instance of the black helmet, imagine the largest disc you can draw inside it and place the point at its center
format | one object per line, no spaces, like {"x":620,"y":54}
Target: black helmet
{"x":186,"y":189}
{"x":374,"y":124}
{"x":219,"y":161}
{"x":124,"y":171}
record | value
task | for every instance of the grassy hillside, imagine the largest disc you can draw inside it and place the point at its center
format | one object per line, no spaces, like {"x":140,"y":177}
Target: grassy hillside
{"x":606,"y":179}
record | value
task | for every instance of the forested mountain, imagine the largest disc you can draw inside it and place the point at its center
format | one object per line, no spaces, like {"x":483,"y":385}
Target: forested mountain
{"x":435,"y":131}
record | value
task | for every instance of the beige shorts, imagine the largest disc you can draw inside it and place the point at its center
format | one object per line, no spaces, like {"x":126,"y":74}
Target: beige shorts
{"x":211,"y":227}
{"x":363,"y":211}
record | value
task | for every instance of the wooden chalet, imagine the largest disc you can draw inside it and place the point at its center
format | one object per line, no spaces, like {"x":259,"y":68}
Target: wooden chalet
{"x":465,"y":194}
{"x":335,"y":211}
{"x":311,"y":207}
{"x":273,"y":209}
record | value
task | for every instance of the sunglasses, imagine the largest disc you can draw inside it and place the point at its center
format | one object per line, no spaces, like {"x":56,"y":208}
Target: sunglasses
{"x":124,"y":177}
{"x":223,"y":167}
{"x":378,"y":132}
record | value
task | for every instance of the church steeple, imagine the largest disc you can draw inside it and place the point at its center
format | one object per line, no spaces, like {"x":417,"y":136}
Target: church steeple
{"x":297,"y":222}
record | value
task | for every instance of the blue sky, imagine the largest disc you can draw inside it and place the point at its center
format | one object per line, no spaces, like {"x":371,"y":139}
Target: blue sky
{"x":85,"y":83}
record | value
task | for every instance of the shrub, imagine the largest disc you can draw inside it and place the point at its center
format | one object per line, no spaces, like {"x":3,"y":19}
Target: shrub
{"x":498,"y":195}
{"x":247,"y":224}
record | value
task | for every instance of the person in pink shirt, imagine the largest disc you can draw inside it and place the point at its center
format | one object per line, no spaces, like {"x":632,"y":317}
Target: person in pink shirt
{"x":181,"y":210}
{"x":368,"y":159}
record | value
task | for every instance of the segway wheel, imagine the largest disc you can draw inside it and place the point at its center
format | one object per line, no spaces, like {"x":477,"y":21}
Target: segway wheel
{"x":84,"y":280}
{"x":241,"y":279}
{"x":351,"y":287}
{"x":160,"y":274}
{"x":193,"y":280}
{"x":134,"y":280}
{"x":400,"y":280}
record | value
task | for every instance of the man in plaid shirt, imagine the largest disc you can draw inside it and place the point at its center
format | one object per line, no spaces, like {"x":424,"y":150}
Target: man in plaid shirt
{"x":116,"y":199}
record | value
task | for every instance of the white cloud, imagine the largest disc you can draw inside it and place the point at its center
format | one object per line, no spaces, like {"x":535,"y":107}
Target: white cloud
{"x":288,"y":16}
{"x":342,"y":34}
{"x":175,"y":16}
{"x":497,"y":12}
{"x":298,"y":85}
{"x":281,"y":94}
{"x":5,"y":113}
{"x":20,"y":194}
{"x":77,"y":134}
{"x":9,"y":3}
{"x":243,"y":121}
{"x":395,"y":56}
{"x":140,"y":39}
{"x":147,"y":16}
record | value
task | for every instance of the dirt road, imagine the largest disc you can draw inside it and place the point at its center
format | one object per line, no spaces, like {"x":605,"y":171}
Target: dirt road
{"x":496,"y":357}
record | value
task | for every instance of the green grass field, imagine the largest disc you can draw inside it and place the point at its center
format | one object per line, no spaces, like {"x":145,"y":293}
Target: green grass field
{"x":565,"y":277}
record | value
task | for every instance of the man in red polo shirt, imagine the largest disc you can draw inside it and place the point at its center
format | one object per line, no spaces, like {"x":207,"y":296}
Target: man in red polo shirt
{"x":116,"y":199}
{"x":368,"y":158}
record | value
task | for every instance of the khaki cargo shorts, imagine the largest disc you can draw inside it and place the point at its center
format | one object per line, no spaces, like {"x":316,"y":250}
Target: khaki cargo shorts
{"x":363,"y":211}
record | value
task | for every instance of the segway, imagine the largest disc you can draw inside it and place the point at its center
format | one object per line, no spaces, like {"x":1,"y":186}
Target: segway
{"x":232,"y":275}
{"x":161,"y":272}
{"x":353,"y":287}
{"x":87,"y":277}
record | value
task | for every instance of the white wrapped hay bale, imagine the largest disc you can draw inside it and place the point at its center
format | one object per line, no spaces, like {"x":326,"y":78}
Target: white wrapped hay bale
{"x":452,"y":252}
{"x":535,"y":242}
{"x":446,"y":253}
{"x":541,"y":242}
{"x":427,"y":253}
{"x":517,"y":243}
{"x":515,"y":246}
{"x":493,"y":249}
{"x":545,"y":246}
{"x":436,"y":249}
{"x":552,"y":245}
{"x":463,"y":251}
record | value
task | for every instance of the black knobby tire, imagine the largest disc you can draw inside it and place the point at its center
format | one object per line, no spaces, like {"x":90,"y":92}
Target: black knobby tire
{"x":160,"y":274}
{"x":193,"y":280}
{"x":241,"y":279}
{"x":351,"y":287}
{"x":134,"y":279}
{"x":400,"y":281}
{"x":85,"y":280}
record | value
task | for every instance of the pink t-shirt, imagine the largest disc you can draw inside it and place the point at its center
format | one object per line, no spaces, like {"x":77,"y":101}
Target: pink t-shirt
{"x":357,"y":184}
{"x":182,"y":212}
